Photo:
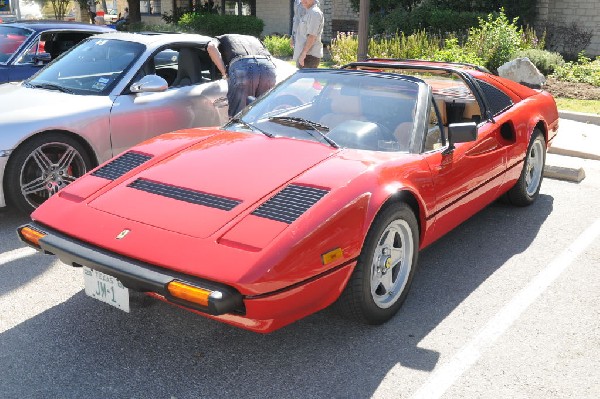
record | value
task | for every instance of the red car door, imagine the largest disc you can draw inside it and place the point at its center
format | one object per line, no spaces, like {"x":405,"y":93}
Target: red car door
{"x":466,"y":178}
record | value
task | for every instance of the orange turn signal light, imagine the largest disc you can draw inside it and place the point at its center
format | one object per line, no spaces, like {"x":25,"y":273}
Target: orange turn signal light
{"x":190,"y":293}
{"x":31,"y":235}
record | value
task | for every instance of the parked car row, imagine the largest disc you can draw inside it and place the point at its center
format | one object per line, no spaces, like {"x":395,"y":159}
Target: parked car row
{"x":106,"y":95}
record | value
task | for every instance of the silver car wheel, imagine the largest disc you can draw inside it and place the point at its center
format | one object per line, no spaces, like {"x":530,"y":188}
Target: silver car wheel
{"x":48,"y":169}
{"x":534,"y":166}
{"x":391,"y":264}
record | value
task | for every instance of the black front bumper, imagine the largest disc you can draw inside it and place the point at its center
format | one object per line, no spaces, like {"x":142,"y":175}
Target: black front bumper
{"x":135,"y":275}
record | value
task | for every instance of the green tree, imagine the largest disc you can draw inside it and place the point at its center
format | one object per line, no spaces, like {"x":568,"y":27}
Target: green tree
{"x":59,"y":7}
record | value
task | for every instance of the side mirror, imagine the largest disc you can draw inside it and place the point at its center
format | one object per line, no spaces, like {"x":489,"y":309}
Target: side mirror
{"x":460,"y":133}
{"x":42,"y":58}
{"x":149,"y":84}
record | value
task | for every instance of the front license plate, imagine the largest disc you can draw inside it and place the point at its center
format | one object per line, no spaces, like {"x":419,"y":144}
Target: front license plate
{"x":106,"y":288}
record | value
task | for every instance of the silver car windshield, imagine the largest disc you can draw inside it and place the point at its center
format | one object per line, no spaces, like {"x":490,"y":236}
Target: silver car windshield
{"x":11,"y":39}
{"x":366,"y":111}
{"x":91,"y":68}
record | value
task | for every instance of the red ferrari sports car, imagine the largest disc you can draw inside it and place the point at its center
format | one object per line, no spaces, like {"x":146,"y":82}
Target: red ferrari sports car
{"x":323,"y":191}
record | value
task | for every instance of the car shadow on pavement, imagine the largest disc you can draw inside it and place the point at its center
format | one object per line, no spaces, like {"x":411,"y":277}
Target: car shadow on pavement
{"x":12,"y":273}
{"x":84,"y":348}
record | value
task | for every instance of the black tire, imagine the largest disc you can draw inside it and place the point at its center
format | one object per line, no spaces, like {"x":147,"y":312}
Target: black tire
{"x":366,"y":298}
{"x":527,"y":188}
{"x":41,"y":167}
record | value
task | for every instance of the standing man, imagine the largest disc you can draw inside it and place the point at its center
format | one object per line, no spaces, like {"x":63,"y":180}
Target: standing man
{"x":92,"y":10}
{"x":308,"y":48}
{"x":247,"y":65}
{"x":299,"y":12}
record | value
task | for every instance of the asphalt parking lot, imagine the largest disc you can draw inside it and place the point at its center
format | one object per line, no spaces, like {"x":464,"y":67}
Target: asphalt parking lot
{"x":506,"y":305}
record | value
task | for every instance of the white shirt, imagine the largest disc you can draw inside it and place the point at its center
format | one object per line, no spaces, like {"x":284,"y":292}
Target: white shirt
{"x":311,"y":23}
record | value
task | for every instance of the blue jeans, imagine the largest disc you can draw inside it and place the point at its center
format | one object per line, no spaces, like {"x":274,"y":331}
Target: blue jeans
{"x":248,"y":77}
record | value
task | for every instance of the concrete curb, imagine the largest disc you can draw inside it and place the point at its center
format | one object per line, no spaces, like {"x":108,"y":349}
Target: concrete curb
{"x":594,"y":119}
{"x":564,"y":173}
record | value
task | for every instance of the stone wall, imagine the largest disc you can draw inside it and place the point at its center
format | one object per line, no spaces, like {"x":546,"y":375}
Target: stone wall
{"x":276,"y":16}
{"x":584,"y":13}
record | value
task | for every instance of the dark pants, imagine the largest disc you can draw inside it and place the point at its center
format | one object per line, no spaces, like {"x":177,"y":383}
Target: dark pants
{"x":310,"y":61}
{"x":93,"y":17}
{"x":248,"y":77}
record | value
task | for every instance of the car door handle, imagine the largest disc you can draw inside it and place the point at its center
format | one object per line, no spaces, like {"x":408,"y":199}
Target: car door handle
{"x":220,"y":102}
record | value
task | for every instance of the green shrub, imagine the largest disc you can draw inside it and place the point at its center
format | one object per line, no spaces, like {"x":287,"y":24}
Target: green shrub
{"x":344,"y":48}
{"x":418,"y":45}
{"x":583,"y":71}
{"x":495,"y":40}
{"x":545,"y":61}
{"x":144,"y":27}
{"x":453,"y":52}
{"x":279,"y":46}
{"x":215,"y":24}
{"x":428,"y":18}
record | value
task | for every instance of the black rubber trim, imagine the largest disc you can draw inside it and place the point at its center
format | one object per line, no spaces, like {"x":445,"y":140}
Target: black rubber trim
{"x":136,"y":275}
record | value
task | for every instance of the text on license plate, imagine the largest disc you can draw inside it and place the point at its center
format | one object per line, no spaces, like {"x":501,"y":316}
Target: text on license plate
{"x":106,"y":288}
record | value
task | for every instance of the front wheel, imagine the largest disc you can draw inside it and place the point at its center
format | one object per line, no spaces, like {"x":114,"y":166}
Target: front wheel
{"x":527,"y":188}
{"x":385,"y":268}
{"x":43,"y":166}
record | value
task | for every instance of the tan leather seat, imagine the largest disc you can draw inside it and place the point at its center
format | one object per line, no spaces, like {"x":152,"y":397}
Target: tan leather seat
{"x":441,"y":106}
{"x":343,"y":108}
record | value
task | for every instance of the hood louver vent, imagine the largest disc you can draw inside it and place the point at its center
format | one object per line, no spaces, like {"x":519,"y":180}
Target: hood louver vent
{"x":185,"y":194}
{"x":121,"y":165}
{"x":287,"y":205}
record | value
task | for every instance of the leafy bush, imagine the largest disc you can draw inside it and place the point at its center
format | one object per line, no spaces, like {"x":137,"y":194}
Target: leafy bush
{"x":495,"y":40}
{"x":544,"y":60}
{"x":215,"y":24}
{"x":344,"y":48}
{"x":144,"y":27}
{"x":279,"y":46}
{"x":425,"y":17}
{"x":452,"y":52}
{"x":417,"y":45}
{"x":569,"y":40}
{"x":583,"y":71}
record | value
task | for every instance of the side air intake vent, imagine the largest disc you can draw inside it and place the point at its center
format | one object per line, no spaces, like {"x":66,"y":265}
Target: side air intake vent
{"x":185,"y":194}
{"x":121,"y":165}
{"x":287,"y":205}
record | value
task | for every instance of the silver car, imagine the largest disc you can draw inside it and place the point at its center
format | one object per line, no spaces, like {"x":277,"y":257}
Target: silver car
{"x":102,"y":97}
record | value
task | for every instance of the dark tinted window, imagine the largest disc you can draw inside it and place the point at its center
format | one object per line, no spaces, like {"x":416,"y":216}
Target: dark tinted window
{"x":496,"y":99}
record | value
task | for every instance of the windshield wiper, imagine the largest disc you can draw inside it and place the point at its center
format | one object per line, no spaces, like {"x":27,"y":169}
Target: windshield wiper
{"x":314,"y":126}
{"x":248,"y":126}
{"x":50,"y":86}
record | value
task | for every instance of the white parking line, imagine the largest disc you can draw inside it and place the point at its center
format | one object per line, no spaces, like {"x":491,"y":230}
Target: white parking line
{"x":445,"y":376}
{"x":16,"y":254}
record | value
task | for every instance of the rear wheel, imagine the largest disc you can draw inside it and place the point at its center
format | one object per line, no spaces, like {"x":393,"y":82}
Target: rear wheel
{"x":527,"y":188}
{"x":43,"y":166}
{"x":385,"y":267}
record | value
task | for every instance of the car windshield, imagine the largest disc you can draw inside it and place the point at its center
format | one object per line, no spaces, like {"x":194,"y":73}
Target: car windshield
{"x":347,"y":109}
{"x":11,"y":38}
{"x":91,"y":68}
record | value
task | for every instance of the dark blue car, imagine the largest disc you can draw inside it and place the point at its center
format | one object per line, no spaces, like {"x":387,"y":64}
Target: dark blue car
{"x":26,"y":46}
